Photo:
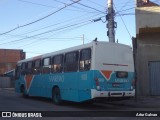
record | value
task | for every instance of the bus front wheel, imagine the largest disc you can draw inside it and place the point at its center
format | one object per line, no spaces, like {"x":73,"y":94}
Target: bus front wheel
{"x":56,"y":96}
{"x":23,"y":92}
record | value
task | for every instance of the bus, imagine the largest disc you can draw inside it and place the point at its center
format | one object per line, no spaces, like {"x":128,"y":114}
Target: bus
{"x":81,"y":73}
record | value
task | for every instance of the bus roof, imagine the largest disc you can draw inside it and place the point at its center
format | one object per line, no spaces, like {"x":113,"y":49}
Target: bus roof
{"x":88,"y":45}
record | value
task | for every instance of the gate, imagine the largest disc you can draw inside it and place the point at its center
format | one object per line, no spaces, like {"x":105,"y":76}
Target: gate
{"x":154,"y":77}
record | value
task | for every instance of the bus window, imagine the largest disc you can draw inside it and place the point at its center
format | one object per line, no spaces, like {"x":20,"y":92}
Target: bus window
{"x":121,"y":74}
{"x":29,"y":67}
{"x":71,"y":62}
{"x":57,"y":63}
{"x":46,"y":65}
{"x":37,"y":66}
{"x":23,"y":68}
{"x":85,"y":59}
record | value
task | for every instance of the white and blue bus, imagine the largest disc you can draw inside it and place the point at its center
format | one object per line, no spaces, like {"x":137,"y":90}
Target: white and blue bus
{"x":82,"y":73}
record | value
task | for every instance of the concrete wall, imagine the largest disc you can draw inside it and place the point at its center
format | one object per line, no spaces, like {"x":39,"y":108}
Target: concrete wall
{"x":148,"y":44}
{"x":147,"y":17}
{"x":148,"y":48}
{"x":6,"y":82}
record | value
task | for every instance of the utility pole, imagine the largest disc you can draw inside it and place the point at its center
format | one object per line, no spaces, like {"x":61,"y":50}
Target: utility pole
{"x":111,"y":23}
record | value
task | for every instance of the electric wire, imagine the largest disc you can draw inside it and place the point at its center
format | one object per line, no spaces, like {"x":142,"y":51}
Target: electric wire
{"x":123,"y":22}
{"x":39,"y":40}
{"x":125,"y":5}
{"x":37,"y":4}
{"x":61,"y":22}
{"x":40,"y":18}
{"x":49,"y":6}
{"x":53,"y":25}
{"x":96,"y":3}
{"x":56,"y":29}
{"x":65,"y":4}
{"x":89,"y":7}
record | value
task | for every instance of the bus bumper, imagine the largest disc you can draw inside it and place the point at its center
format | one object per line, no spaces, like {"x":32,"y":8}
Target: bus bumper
{"x":97,"y":94}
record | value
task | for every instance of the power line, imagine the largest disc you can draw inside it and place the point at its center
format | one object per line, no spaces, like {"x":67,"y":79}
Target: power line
{"x":81,"y":5}
{"x":49,"y":6}
{"x":65,"y":4}
{"x":37,"y":4}
{"x":89,"y":7}
{"x":96,"y":3}
{"x":125,"y":5}
{"x":129,"y":3}
{"x":126,"y":9}
{"x":69,"y":20}
{"x":57,"y":29}
{"x":123,"y":22}
{"x":40,"y":39}
{"x":40,"y":18}
{"x":59,"y":33}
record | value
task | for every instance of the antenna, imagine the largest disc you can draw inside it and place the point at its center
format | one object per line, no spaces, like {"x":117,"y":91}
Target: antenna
{"x":111,"y":23}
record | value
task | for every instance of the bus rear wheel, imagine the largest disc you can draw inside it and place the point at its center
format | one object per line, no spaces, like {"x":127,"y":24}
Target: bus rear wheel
{"x":56,"y":96}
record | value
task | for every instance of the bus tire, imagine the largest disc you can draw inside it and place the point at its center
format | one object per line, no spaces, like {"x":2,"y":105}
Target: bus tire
{"x":56,"y":96}
{"x":23,"y":91}
{"x":88,"y":102}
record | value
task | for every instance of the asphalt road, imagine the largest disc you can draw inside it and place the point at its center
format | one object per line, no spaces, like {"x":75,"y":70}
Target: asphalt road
{"x":11,"y":101}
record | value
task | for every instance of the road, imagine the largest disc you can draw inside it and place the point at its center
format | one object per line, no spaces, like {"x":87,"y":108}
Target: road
{"x":11,"y":101}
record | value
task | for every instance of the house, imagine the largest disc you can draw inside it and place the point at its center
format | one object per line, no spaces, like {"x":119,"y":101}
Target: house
{"x":146,"y":47}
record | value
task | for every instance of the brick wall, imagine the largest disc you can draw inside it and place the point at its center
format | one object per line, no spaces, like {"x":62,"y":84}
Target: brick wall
{"x":9,"y":58}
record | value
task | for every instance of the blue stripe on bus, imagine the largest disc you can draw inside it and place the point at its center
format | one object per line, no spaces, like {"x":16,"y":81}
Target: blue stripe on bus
{"x":75,"y":86}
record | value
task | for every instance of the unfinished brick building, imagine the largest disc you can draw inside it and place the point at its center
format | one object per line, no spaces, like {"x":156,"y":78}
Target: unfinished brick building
{"x":9,"y":58}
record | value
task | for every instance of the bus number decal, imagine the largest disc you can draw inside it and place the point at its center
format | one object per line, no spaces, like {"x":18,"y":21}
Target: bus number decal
{"x":56,"y":78}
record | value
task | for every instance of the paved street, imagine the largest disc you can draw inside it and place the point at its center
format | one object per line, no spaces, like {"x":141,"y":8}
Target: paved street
{"x":10,"y":101}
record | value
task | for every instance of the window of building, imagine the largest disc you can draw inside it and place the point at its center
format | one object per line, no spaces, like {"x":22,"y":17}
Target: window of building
{"x":85,"y":59}
{"x":46,"y":65}
{"x":71,"y":62}
{"x":57,"y":63}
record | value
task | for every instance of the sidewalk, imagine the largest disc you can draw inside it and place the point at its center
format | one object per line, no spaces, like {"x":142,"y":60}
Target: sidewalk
{"x":142,"y":101}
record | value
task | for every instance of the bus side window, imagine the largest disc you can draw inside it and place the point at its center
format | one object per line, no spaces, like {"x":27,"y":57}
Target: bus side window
{"x":85,"y":59}
{"x":37,"y":66}
{"x":71,"y":62}
{"x":46,"y":65}
{"x":57,"y":64}
{"x":29,"y":69}
{"x":23,"y":68}
{"x":18,"y":72}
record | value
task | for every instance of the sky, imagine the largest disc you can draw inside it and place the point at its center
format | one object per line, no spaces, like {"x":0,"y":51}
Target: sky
{"x":42,"y":26}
